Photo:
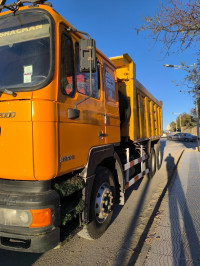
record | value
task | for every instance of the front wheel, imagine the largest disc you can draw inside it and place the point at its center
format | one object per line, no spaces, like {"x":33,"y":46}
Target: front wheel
{"x":102,"y":203}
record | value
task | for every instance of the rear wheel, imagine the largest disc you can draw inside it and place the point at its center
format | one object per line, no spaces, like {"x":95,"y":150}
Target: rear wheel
{"x":102,"y":203}
{"x":158,"y":157}
{"x":152,"y":163}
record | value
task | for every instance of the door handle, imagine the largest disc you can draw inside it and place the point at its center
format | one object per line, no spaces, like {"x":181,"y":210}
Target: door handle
{"x":102,"y":135}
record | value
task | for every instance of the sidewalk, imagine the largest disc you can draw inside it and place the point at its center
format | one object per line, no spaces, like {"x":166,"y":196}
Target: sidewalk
{"x":176,"y":238}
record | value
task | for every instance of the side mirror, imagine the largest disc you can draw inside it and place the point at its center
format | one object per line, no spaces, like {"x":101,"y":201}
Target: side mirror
{"x":85,"y":45}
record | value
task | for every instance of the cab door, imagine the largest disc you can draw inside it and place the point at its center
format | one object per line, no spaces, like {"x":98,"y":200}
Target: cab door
{"x":111,"y":105}
{"x":77,"y":136}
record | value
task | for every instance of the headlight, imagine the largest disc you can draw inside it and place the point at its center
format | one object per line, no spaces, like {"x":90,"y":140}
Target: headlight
{"x":15,"y":217}
{"x":25,"y":218}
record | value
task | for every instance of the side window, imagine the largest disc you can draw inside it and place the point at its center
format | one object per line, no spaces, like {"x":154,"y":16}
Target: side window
{"x":110,"y":87}
{"x":67,"y":66}
{"x":83,"y":79}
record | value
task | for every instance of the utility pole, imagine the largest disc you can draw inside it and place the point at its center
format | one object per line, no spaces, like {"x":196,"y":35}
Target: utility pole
{"x":197,"y":117}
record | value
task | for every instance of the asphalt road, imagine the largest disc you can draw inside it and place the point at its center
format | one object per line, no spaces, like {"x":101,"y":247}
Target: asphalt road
{"x":123,"y":240}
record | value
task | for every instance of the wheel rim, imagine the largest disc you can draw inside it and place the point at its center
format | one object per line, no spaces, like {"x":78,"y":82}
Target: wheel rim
{"x":103,"y":202}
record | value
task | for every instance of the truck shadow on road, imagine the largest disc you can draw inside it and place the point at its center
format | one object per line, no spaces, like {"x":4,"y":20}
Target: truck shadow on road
{"x":135,"y":187}
{"x":126,"y":246}
{"x":137,"y":212}
{"x":182,"y":240}
{"x":12,"y":258}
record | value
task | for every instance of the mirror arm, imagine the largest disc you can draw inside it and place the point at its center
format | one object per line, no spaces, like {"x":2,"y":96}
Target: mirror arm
{"x":75,"y":30}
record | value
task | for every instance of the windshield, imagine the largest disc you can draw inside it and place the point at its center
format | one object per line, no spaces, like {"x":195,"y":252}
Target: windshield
{"x":24,"y":50}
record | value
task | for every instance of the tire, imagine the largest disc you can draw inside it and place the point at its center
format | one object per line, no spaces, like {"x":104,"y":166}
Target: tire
{"x":102,"y":203}
{"x":152,"y":163}
{"x":158,"y":157}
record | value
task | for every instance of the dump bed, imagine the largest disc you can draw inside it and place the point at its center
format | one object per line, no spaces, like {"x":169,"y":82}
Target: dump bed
{"x":144,"y":112}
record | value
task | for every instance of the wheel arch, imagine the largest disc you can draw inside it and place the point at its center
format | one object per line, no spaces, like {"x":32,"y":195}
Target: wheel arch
{"x":107,"y":157}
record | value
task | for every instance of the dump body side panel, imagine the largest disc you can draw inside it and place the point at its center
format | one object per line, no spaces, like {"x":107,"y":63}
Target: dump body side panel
{"x":145,"y":120}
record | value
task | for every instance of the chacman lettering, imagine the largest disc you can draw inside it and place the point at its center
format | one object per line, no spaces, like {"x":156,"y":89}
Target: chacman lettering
{"x":19,"y":31}
{"x":7,"y":115}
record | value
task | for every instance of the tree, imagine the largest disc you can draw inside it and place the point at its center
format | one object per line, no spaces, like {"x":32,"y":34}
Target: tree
{"x":178,"y":22}
{"x":192,"y":82}
{"x":173,"y":126}
{"x":187,"y":120}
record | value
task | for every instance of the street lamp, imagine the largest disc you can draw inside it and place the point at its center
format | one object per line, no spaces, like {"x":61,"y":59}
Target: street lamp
{"x":179,"y":66}
{"x":196,"y":88}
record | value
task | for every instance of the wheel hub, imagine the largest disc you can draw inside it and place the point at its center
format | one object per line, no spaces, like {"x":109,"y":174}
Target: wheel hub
{"x":103,"y":202}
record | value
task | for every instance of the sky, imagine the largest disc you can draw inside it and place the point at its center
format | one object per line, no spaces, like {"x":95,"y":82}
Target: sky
{"x":111,"y":23}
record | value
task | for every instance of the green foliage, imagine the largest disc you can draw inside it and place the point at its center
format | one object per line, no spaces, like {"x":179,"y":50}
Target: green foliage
{"x":68,"y":215}
{"x":69,"y":186}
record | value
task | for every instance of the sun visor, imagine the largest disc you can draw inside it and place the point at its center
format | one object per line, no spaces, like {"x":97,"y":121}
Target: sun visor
{"x":24,"y":34}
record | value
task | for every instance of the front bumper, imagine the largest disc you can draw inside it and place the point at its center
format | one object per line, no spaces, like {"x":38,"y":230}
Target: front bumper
{"x":32,"y":195}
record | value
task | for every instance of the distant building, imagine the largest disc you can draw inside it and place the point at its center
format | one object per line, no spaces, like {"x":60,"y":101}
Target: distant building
{"x":168,"y":127}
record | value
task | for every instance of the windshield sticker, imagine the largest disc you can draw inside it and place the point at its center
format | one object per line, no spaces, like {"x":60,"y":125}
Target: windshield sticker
{"x":28,"y":71}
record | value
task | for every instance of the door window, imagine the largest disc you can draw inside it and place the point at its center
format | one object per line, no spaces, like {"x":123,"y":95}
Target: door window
{"x":67,"y":66}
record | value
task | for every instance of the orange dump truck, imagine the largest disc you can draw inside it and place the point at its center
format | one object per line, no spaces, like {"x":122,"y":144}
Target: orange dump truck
{"x":76,"y":129}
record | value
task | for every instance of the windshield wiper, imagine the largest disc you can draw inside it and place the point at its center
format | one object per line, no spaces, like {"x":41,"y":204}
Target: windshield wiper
{"x":6,"y":91}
